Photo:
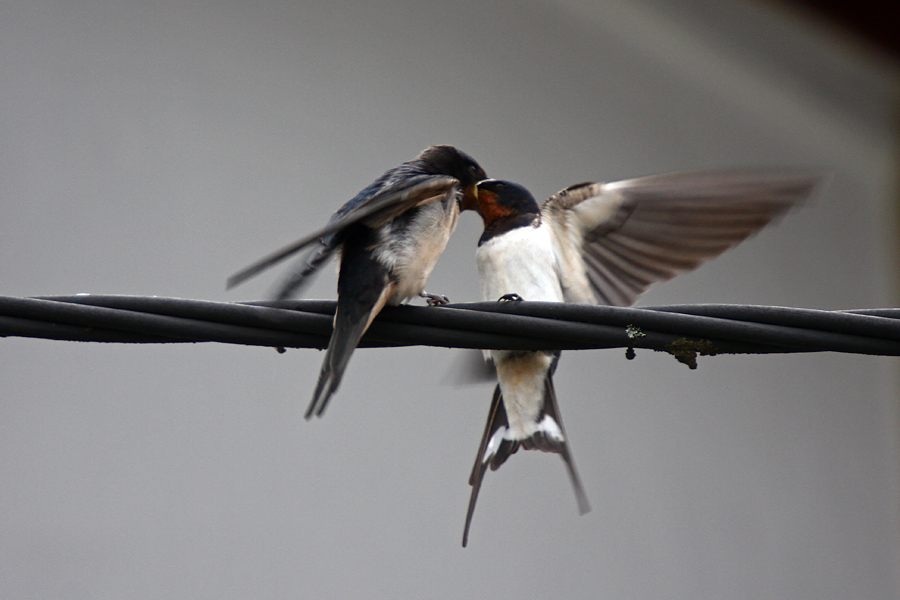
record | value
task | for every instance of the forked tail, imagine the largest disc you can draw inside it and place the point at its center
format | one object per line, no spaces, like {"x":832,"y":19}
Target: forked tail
{"x":499,"y":442}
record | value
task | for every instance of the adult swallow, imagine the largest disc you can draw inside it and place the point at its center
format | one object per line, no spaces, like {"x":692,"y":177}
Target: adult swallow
{"x":389,"y":236}
{"x":600,"y":243}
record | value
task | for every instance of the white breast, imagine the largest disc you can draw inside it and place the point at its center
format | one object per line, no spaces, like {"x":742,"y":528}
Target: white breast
{"x":521,"y":261}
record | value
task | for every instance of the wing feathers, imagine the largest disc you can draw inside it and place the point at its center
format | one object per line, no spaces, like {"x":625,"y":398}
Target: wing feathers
{"x":396,"y":197}
{"x":630,"y":234}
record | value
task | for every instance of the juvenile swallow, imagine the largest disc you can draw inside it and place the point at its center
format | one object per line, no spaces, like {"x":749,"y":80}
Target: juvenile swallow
{"x":600,"y":243}
{"x":389,"y":237}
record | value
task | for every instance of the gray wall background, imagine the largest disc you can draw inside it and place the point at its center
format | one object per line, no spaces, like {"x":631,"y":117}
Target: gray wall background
{"x":155,"y":147}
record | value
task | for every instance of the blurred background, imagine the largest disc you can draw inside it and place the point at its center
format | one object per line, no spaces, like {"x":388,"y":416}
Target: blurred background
{"x":154,"y":148}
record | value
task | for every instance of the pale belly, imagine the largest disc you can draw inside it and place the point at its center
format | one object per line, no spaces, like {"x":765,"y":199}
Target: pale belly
{"x":412,"y":260}
{"x":522,"y":377}
{"x":523,"y":262}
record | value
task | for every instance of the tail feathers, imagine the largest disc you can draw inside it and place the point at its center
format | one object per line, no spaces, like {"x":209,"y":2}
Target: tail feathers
{"x":340,"y":348}
{"x":364,"y":286}
{"x":496,"y":421}
{"x":552,"y":411}
{"x":498,"y":444}
{"x":351,"y":320}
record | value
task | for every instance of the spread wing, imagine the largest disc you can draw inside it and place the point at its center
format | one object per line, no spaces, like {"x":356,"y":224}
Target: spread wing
{"x":615,"y":239}
{"x":382,"y":201}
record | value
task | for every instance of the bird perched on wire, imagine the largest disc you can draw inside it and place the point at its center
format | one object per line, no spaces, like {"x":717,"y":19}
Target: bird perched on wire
{"x":389,"y":237}
{"x":600,"y":243}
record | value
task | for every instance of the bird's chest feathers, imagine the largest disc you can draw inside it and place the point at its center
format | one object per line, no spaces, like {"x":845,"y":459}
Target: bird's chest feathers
{"x":411,"y":247}
{"x":520,"y":261}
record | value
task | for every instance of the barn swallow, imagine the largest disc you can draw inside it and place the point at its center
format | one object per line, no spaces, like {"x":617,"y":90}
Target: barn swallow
{"x":389,"y":236}
{"x":600,"y":243}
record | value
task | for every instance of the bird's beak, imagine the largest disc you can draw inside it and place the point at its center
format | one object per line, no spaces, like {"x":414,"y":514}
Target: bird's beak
{"x":469,"y":200}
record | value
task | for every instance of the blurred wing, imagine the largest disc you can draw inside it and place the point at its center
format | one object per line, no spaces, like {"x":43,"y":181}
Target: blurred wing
{"x":470,"y":367}
{"x":615,"y":239}
{"x":373,"y":206}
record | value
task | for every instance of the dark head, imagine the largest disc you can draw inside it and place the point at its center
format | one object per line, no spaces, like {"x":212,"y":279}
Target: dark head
{"x":447,"y":160}
{"x":504,"y":205}
{"x":496,"y":198}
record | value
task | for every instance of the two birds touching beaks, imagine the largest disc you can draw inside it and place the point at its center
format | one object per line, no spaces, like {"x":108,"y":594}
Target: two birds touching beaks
{"x":592,"y":243}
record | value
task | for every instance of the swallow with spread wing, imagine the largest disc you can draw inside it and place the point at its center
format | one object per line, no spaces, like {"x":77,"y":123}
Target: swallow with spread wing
{"x":389,"y":236}
{"x":600,"y":243}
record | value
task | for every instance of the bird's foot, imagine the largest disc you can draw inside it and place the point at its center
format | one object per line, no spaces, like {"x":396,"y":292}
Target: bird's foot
{"x":435,"y":299}
{"x":510,"y":298}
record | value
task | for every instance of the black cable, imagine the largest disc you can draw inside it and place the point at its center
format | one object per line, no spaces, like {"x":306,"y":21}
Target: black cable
{"x":712,"y":328}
